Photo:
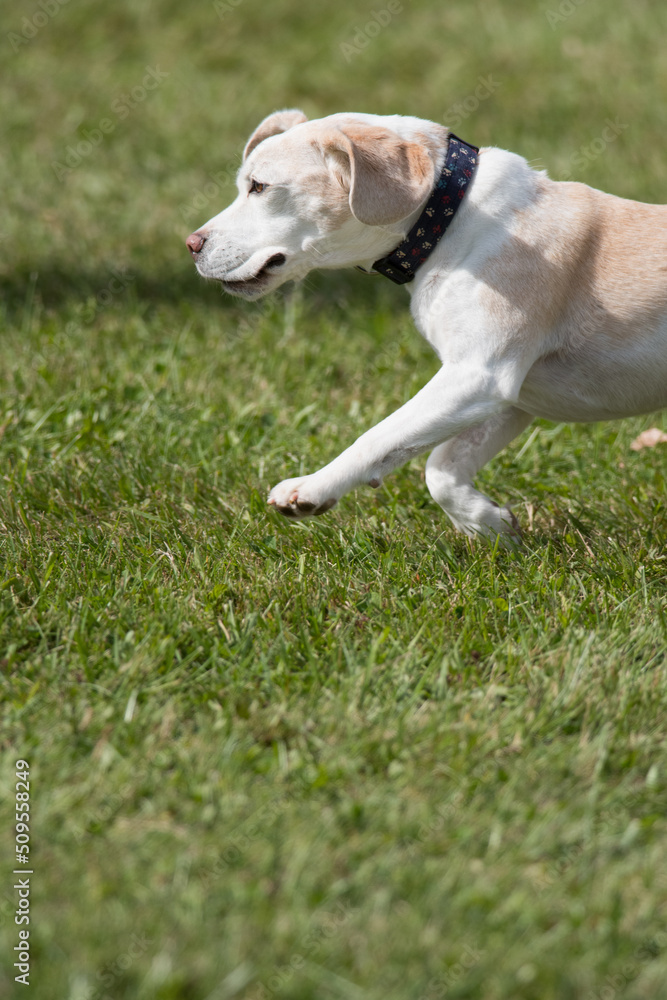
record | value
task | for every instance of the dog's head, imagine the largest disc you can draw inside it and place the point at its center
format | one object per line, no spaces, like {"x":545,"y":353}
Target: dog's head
{"x":334,"y":192}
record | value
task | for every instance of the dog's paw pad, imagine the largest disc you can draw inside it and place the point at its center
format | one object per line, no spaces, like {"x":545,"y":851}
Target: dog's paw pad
{"x":299,"y":500}
{"x":327,"y":505}
{"x":288,"y":511}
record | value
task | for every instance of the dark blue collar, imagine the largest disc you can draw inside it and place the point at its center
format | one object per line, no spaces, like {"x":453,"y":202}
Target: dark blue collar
{"x":400,"y":265}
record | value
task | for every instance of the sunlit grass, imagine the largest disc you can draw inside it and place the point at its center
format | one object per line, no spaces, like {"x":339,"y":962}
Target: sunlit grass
{"x":358,"y":757}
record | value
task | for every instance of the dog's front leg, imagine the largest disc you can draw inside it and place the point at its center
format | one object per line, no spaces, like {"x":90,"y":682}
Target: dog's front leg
{"x":458,"y":397}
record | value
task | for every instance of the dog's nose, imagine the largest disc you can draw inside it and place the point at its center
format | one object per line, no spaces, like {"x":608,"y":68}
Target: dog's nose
{"x":195,"y":242}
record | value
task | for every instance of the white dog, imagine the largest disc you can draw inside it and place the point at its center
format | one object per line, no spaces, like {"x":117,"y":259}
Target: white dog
{"x":542,"y":298}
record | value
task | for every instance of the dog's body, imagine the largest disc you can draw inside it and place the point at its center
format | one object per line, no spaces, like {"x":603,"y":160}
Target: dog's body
{"x":543,"y":298}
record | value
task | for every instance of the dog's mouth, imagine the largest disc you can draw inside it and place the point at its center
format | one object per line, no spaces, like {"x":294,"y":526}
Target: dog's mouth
{"x":258,"y":281}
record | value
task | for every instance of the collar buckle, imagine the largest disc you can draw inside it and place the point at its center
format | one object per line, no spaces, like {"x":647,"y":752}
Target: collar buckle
{"x":394,"y":272}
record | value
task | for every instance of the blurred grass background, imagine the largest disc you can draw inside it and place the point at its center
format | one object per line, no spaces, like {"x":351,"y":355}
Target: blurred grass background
{"x":354,"y":758}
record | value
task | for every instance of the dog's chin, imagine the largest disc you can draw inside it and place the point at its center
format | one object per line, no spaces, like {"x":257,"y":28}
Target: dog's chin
{"x":252,"y":288}
{"x":267,"y":278}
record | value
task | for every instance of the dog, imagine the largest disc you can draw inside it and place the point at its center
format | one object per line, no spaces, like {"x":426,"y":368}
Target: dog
{"x":541,"y":298}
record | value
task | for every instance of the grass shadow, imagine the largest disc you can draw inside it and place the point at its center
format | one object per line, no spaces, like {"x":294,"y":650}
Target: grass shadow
{"x":61,"y":283}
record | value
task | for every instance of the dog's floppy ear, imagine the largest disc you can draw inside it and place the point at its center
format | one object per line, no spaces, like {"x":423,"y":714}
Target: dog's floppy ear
{"x":386,"y":176}
{"x":276,"y":123}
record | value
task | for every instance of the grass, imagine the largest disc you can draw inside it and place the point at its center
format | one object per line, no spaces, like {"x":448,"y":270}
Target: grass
{"x":353,"y":758}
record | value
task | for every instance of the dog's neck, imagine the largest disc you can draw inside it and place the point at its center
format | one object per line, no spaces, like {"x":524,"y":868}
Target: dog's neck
{"x":402,"y":263}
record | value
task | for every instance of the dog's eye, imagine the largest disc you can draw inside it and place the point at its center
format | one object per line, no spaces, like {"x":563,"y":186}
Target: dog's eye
{"x":256,"y":187}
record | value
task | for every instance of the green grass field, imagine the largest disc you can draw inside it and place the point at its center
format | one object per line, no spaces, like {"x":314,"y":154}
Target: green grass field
{"x":358,"y":758}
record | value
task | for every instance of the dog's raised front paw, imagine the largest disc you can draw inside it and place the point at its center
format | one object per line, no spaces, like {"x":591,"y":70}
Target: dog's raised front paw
{"x":300,"y":498}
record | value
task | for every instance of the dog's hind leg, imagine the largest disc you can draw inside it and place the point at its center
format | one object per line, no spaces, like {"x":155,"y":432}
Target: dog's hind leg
{"x":452,"y":466}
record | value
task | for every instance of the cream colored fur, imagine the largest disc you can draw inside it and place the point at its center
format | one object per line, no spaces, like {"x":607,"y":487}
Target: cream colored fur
{"x":543,"y":299}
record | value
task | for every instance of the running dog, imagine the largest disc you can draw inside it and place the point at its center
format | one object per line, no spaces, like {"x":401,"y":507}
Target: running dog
{"x":540,"y":298}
